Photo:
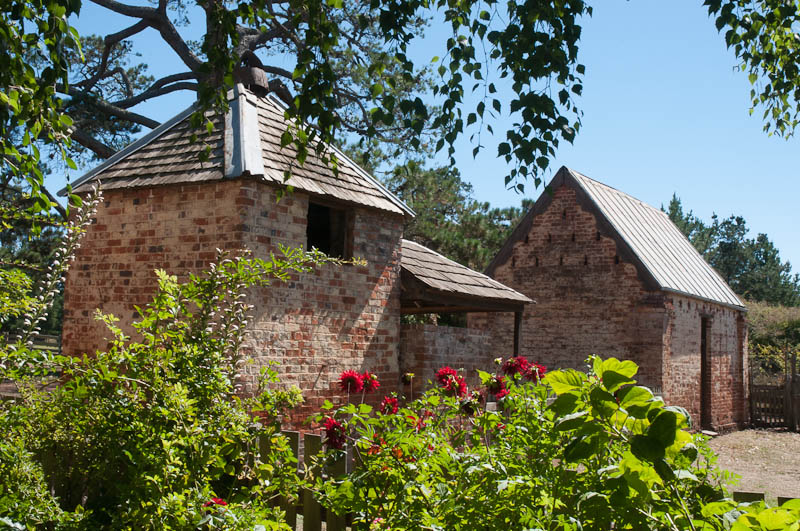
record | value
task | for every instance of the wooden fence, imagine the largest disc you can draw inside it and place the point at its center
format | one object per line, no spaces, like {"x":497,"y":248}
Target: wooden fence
{"x":308,"y":514}
{"x":777,"y":405}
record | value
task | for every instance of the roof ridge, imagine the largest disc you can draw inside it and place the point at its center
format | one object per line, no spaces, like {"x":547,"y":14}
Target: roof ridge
{"x":615,"y":190}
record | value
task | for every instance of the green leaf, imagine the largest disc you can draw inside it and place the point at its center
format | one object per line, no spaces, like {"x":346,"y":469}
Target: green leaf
{"x":664,"y":428}
{"x":646,"y":448}
{"x":565,"y":403}
{"x":572,"y":421}
{"x":565,"y":380}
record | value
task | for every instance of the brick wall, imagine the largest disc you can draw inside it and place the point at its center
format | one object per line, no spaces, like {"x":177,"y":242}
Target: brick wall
{"x":332,"y":319}
{"x":176,"y":228}
{"x":313,"y":326}
{"x":589,"y":300}
{"x":727,"y":352}
{"x":425,"y":348}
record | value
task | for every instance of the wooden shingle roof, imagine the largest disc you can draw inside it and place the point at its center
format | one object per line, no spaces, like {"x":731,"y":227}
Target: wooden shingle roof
{"x":246,"y":141}
{"x":645,"y":235}
{"x":432,"y":280}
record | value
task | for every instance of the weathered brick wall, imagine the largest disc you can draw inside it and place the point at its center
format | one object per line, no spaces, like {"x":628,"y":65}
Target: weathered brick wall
{"x":426,"y":348}
{"x":333,"y":319}
{"x":313,"y":326}
{"x":589,"y":300}
{"x":727,"y":351}
{"x":176,"y":228}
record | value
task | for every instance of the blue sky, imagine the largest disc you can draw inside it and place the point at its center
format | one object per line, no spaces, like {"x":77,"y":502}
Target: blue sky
{"x":664,"y":111}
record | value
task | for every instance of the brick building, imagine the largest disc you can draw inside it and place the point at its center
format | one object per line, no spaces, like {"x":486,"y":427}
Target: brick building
{"x":164,"y":208}
{"x":613,"y":276}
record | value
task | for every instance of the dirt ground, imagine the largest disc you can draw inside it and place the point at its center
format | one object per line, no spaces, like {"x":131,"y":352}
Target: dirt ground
{"x":766,"y":461}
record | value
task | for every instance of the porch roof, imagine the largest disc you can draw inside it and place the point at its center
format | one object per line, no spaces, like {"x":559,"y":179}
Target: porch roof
{"x":432,"y":283}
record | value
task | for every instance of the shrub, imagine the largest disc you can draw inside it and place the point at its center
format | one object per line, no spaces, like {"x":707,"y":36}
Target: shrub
{"x":600,"y":453}
{"x":151,"y":433}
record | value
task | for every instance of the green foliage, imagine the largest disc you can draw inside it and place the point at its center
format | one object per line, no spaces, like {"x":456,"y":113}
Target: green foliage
{"x":604,"y":453}
{"x":449,"y":220}
{"x":751,"y":266}
{"x":762,"y":34}
{"x":147,"y":434}
{"x":35,"y":43}
{"x":774,"y":334}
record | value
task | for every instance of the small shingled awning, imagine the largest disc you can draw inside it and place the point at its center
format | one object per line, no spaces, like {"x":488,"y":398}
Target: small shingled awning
{"x":432,"y":283}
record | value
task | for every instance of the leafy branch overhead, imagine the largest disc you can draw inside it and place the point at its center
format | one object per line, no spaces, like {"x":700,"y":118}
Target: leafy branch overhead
{"x":763,"y":35}
{"x":343,"y":68}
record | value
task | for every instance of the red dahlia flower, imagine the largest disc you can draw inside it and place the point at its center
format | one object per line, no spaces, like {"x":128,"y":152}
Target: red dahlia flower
{"x":535,"y":372}
{"x":496,"y":384}
{"x":501,"y":394}
{"x":215,"y":501}
{"x":451,"y":381}
{"x":370,"y":381}
{"x":389,"y":405}
{"x":351,"y":381}
{"x":334,"y":433}
{"x":516,"y":365}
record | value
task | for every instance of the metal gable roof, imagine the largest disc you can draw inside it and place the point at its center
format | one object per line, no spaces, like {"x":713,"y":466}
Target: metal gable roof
{"x":645,"y":236}
{"x":245,"y":142}
{"x":660,"y":246}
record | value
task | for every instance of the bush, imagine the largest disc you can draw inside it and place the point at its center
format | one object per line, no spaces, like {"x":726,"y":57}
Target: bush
{"x":603,"y":453}
{"x":151,"y":433}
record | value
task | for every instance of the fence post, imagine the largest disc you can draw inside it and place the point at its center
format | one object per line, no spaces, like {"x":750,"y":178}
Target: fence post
{"x":787,"y":390}
{"x":288,"y":505}
{"x":312,"y":510}
{"x":333,"y":521}
{"x":793,"y":392}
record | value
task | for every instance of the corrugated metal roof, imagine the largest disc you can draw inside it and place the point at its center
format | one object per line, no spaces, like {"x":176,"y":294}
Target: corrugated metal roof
{"x":245,"y":141}
{"x":441,"y":273}
{"x":662,"y":248}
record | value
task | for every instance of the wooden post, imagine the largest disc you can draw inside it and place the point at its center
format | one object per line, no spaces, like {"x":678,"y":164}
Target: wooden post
{"x":334,"y":522}
{"x":517,"y":330}
{"x":793,"y":392}
{"x":312,"y":510}
{"x":788,"y":408}
{"x":289,"y":505}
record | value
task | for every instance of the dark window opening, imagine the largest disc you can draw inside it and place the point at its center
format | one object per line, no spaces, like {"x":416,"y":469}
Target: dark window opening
{"x":537,"y":261}
{"x":573,"y":236}
{"x":526,"y":238}
{"x":585,"y":260}
{"x":616,"y":259}
{"x":598,"y":236}
{"x":330,"y":230}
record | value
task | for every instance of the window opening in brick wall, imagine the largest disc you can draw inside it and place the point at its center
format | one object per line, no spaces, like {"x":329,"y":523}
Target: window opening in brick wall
{"x":330,"y":230}
{"x":585,"y":260}
{"x":616,"y":258}
{"x":573,"y":236}
{"x":598,"y":236}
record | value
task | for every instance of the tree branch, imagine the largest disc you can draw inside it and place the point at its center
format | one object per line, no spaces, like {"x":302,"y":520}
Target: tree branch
{"x":111,"y":109}
{"x":92,"y":144}
{"x":157,"y":19}
{"x":108,"y":43}
{"x":159,"y":89}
